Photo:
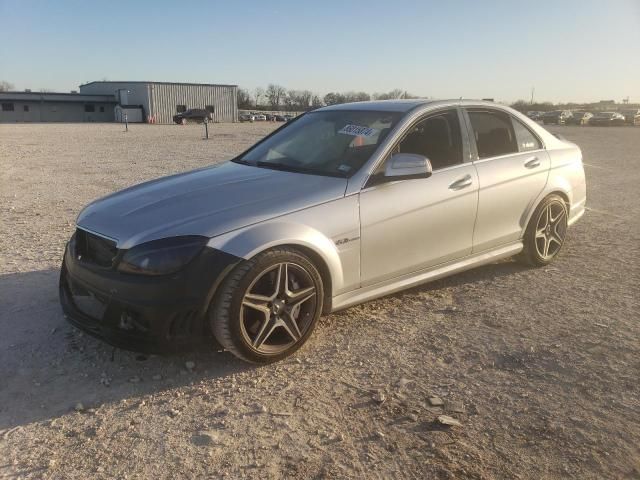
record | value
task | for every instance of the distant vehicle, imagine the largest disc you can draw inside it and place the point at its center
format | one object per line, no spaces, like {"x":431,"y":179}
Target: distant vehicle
{"x":631,"y":117}
{"x":259,"y":117}
{"x":246,"y":117}
{"x":535,"y":115}
{"x":280,"y":118}
{"x":288,"y":118}
{"x":270,"y":117}
{"x":197,"y":115}
{"x":607,"y":119}
{"x":558,"y":117}
{"x":579,"y":118}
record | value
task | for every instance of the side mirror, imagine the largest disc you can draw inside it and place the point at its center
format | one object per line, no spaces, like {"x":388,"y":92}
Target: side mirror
{"x":406,"y":166}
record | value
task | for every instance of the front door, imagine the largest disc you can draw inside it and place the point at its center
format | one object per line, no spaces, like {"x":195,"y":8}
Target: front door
{"x":410,"y":225}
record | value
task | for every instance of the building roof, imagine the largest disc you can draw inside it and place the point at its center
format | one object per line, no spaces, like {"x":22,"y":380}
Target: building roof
{"x":55,"y":96}
{"x":160,"y":83}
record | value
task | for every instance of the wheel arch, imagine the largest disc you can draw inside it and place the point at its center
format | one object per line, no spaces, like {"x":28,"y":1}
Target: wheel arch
{"x":253,"y":240}
{"x":565,"y":195}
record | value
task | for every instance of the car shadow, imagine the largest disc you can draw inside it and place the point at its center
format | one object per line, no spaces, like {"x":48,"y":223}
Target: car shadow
{"x":48,"y":367}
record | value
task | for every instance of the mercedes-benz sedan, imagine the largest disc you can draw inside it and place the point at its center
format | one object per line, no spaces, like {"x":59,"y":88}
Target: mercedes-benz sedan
{"x":339,"y":206}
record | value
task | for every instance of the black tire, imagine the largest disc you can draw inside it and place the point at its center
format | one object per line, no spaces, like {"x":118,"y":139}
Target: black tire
{"x":533,"y":243}
{"x":228,"y":318}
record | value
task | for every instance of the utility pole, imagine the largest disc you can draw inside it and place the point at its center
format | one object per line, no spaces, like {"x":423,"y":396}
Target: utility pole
{"x":533,"y":90}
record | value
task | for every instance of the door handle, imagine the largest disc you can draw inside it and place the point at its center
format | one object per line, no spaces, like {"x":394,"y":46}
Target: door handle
{"x":461,"y":183}
{"x":532,"y":162}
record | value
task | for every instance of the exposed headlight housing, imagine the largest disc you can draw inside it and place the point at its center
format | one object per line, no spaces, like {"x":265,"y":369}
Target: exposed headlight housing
{"x":161,"y":257}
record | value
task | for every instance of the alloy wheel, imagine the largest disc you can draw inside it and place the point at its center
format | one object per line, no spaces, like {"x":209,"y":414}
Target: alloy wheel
{"x":278,"y":308}
{"x":551,"y":230}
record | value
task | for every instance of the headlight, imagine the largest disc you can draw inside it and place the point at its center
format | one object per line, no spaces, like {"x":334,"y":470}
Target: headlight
{"x":161,"y":257}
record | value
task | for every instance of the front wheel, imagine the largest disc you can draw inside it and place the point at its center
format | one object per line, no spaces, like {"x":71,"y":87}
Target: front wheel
{"x":546,"y":232}
{"x":268,"y":306}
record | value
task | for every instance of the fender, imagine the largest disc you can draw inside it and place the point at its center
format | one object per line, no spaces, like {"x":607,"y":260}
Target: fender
{"x":249,"y":241}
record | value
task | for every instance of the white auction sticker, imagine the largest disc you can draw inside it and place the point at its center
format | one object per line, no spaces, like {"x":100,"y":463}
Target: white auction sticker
{"x":358,"y":131}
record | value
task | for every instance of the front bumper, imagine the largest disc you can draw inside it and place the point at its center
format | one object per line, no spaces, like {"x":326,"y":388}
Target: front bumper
{"x":153,"y":314}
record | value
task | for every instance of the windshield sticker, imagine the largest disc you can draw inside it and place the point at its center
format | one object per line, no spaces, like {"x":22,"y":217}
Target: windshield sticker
{"x":358,"y":131}
{"x":344,"y":168}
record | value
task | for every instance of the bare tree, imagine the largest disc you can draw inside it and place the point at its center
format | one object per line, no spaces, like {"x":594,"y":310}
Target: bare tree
{"x":298,"y":99}
{"x":258,"y":94}
{"x":334,"y":98}
{"x":5,"y":86}
{"x":275,"y":94}
{"x":244,"y":100}
{"x":316,"y":101}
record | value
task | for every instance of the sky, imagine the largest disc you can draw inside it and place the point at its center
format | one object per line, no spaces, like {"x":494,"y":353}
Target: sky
{"x":567,"y":50}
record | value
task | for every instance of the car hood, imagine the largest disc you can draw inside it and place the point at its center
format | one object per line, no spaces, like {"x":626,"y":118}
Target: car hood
{"x":208,"y":202}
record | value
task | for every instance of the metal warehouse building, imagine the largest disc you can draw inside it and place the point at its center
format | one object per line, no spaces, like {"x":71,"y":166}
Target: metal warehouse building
{"x":153,"y":102}
{"x":160,"y":101}
{"x":55,"y":107}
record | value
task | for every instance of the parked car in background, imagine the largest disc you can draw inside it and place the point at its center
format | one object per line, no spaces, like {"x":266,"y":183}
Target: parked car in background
{"x":280,"y":118}
{"x":349,"y":203}
{"x":631,"y":117}
{"x":288,"y":118}
{"x":260,"y":117}
{"x":557,"y":117}
{"x":246,"y":117}
{"x":607,"y":119}
{"x":198,"y":115}
{"x":579,"y":118}
{"x":535,"y":115}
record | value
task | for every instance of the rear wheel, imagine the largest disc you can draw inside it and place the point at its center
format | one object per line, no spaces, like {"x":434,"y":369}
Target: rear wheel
{"x":546,"y":232}
{"x":268,"y":306}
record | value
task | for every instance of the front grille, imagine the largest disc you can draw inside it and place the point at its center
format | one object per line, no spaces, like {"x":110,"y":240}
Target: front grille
{"x":91,"y":248}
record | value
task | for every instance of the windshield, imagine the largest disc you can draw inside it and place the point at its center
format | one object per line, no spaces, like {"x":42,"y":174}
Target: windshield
{"x":333,"y":143}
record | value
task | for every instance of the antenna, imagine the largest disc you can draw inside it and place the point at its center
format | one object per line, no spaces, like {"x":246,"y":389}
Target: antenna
{"x":533,"y":90}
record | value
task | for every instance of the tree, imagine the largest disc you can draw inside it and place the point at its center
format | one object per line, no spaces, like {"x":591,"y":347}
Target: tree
{"x":258,"y":93}
{"x":356,"y":97}
{"x":5,"y":86}
{"x":244,"y":99}
{"x":392,"y":95}
{"x":316,"y":101}
{"x":275,"y":94}
{"x":298,"y":99}
{"x":333,"y":98}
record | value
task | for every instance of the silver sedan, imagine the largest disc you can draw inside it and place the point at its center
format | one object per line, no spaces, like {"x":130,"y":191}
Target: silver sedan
{"x":339,"y":206}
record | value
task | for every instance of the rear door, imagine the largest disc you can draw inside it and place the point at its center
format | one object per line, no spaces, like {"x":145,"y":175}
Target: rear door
{"x":512,"y":168}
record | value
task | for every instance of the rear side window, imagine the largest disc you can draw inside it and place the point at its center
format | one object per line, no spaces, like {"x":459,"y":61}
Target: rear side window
{"x":527,"y":141}
{"x":493,"y":132}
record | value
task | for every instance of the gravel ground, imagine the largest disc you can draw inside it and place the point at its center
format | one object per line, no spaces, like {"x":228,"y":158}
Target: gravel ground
{"x":539,"y":366}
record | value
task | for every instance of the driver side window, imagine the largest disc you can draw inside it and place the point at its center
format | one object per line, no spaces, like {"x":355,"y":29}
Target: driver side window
{"x":438,"y":138}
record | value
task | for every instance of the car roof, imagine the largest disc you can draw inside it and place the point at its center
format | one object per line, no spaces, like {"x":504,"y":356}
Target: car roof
{"x":404,"y":105}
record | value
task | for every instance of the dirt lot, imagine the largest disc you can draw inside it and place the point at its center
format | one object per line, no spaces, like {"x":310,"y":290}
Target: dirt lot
{"x":540,"y":366}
